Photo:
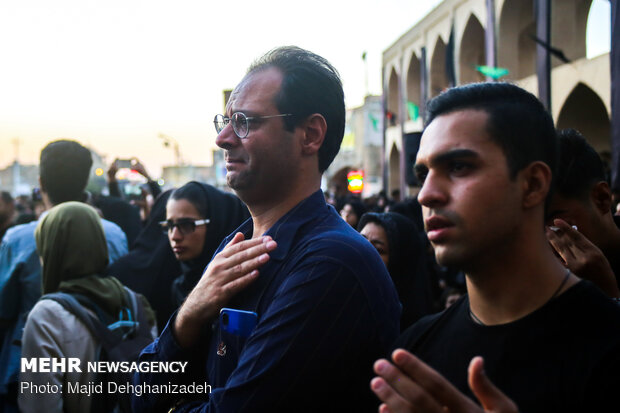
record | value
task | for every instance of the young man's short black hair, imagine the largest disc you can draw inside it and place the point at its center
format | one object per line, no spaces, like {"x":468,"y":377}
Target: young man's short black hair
{"x":518,"y":122}
{"x":64,"y":169}
{"x":579,"y":167}
{"x":310,"y":85}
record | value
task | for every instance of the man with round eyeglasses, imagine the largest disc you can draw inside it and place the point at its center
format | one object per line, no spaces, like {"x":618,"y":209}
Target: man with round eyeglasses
{"x":317,"y":298}
{"x":240,"y":122}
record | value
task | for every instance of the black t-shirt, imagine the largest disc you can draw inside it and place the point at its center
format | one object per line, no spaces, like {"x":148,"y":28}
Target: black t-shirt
{"x":614,"y":261}
{"x":563,"y":357}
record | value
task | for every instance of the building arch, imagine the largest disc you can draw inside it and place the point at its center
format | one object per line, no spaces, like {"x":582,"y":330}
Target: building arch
{"x":393,"y":95}
{"x":585,"y":111}
{"x":471,"y":52}
{"x":438,"y":71}
{"x":414,"y":88}
{"x":516,"y":50}
{"x":394,"y":173}
{"x":568,"y":28}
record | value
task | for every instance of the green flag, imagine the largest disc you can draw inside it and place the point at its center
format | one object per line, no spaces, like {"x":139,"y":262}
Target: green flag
{"x":375,"y":122}
{"x":492,"y":72}
{"x":414,"y":111}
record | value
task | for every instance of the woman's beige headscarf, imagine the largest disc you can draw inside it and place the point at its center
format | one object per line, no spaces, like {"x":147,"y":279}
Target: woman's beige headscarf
{"x":72,"y":245}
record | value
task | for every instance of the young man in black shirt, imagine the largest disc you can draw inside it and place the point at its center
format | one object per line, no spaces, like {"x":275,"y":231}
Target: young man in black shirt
{"x":550,"y":342}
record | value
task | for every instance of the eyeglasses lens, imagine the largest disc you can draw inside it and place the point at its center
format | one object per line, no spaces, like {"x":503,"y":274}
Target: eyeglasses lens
{"x":219,"y":122}
{"x":184,"y":227}
{"x":240,"y":124}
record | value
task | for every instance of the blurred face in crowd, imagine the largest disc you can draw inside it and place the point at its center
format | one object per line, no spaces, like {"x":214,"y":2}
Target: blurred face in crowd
{"x":378,"y":238}
{"x":186,"y":244}
{"x":583,"y":213}
{"x":7,"y":210}
{"x":470,"y":205}
{"x":348,"y":214}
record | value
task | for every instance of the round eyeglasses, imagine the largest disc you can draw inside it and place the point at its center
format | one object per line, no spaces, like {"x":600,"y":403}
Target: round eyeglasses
{"x":185,"y":225}
{"x":240,"y":122}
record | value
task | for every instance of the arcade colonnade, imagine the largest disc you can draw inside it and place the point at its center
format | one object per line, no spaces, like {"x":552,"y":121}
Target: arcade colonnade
{"x":446,"y":47}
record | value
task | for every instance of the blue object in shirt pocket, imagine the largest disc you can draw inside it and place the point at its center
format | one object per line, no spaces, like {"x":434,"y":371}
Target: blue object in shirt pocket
{"x":238,"y":322}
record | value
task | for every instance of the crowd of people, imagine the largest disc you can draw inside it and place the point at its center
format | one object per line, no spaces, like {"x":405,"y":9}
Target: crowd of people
{"x":495,"y":289}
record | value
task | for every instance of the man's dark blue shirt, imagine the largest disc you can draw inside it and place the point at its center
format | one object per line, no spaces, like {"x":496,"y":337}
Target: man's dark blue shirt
{"x":327,"y":309}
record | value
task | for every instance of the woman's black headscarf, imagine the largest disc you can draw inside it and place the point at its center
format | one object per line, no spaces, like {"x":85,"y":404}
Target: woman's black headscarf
{"x":407,"y":264}
{"x":150,"y":267}
{"x":225,"y":212}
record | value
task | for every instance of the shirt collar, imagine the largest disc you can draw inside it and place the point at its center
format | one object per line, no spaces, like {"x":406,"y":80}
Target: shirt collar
{"x":285,"y":229}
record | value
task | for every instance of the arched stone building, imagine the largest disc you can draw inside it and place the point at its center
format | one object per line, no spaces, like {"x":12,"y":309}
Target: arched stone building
{"x":444,"y":48}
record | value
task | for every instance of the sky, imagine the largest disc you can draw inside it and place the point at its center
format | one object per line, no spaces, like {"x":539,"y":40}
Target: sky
{"x":116,"y":74}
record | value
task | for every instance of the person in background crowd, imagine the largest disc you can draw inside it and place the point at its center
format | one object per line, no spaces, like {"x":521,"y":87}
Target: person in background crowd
{"x":320,"y":304}
{"x":409,"y":207}
{"x":382,"y":202}
{"x":73,"y":251}
{"x":352,"y":211}
{"x":64,"y":169}
{"x":150,"y":267}
{"x":128,"y":210}
{"x":198,"y":218}
{"x":403,"y":252}
{"x":582,"y":198}
{"x":396,"y":196}
{"x":144,"y":199}
{"x":122,"y":213}
{"x":38,"y":205}
{"x":7,"y":212}
{"x":529,"y":336}
{"x":24,"y":208}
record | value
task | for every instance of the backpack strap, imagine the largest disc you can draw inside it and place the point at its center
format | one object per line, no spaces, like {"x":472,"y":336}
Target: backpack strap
{"x":76,"y":304}
{"x":71,"y":304}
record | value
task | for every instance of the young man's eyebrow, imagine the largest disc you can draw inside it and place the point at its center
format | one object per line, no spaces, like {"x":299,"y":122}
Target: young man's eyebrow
{"x":454,"y":154}
{"x":448,"y":156}
{"x":445,"y":157}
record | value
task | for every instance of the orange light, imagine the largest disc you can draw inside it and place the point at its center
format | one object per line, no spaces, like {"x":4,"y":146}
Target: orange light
{"x":99,"y":172}
{"x":356,"y":181}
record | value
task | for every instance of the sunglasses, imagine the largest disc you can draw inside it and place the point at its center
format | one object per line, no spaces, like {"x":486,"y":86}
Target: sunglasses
{"x":185,"y":225}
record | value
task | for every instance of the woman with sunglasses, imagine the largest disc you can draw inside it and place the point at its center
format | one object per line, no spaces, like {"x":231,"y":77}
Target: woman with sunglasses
{"x":171,"y":253}
{"x":198,"y":218}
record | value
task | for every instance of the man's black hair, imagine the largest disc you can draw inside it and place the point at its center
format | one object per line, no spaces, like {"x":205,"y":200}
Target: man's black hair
{"x":518,"y":122}
{"x":64,"y":169}
{"x":580,"y":166}
{"x":310,"y":85}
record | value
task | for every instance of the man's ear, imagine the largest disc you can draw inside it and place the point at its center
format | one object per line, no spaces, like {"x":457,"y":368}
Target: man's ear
{"x":600,"y":194}
{"x":45,"y":196}
{"x":536,"y":182}
{"x":314,"y":129}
